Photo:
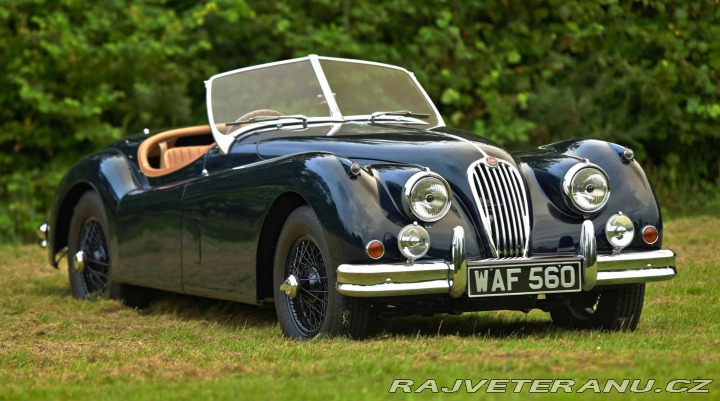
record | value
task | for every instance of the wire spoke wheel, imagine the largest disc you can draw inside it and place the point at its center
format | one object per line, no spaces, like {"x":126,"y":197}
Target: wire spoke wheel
{"x":96,"y":273}
{"x":309,"y":307}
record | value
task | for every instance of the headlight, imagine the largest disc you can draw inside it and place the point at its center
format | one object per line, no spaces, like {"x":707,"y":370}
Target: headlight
{"x":413,"y":241}
{"x":587,"y":186}
{"x":428,"y":196}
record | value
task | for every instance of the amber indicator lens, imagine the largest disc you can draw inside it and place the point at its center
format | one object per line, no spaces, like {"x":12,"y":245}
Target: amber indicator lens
{"x":650,"y":234}
{"x":375,"y":249}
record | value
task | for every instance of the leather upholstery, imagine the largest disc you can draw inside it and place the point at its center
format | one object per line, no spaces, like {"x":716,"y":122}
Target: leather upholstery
{"x":171,"y":158}
{"x":181,"y":156}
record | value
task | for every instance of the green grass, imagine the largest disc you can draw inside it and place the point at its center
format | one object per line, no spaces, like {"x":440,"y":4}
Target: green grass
{"x":186,"y":348}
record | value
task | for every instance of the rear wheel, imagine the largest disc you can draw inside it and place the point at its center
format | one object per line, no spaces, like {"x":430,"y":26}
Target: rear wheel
{"x":308,"y":304}
{"x":612,"y":309}
{"x":90,"y":267}
{"x":90,"y":271}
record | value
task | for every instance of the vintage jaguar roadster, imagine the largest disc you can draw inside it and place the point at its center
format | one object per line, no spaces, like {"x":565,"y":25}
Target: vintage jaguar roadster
{"x":333,"y":189}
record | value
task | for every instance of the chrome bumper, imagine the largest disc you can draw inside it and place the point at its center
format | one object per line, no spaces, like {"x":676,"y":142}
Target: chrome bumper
{"x":442,"y":277}
{"x":42,"y":232}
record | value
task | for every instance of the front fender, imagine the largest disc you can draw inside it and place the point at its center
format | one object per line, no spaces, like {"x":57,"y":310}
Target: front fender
{"x":357,"y":209}
{"x":556,"y":228}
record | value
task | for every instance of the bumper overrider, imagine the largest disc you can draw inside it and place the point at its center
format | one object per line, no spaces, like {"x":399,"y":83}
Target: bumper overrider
{"x":451,"y":277}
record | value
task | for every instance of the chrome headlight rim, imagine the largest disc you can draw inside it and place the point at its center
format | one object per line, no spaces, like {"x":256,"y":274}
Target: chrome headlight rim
{"x":410,"y":185}
{"x":568,"y":182}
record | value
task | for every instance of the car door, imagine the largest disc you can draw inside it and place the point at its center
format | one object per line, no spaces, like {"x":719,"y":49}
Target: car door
{"x":149,"y":231}
{"x":222,"y":216}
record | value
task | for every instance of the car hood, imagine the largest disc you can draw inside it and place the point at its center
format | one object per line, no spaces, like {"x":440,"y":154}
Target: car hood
{"x":443,"y":150}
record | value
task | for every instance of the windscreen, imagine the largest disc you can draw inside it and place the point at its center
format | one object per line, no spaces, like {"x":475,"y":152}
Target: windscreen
{"x":362,"y":89}
{"x":289,"y":88}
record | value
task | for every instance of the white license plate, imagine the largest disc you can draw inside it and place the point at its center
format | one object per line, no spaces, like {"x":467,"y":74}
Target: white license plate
{"x":528,"y":277}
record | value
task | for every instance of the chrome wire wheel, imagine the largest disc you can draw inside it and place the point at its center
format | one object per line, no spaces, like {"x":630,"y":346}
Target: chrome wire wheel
{"x":96,"y":270}
{"x":309,"y":306}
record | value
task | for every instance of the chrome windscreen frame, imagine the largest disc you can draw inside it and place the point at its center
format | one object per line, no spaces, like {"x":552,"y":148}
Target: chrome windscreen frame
{"x":225,"y":141}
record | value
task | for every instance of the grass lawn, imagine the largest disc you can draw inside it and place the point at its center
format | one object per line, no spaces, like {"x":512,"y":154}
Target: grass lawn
{"x":186,"y":348}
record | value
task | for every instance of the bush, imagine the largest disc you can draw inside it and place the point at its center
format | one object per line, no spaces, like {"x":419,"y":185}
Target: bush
{"x":644,"y":74}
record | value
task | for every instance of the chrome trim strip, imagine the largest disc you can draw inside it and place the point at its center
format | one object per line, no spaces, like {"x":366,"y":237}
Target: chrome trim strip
{"x":588,"y":251}
{"x":635,"y":276}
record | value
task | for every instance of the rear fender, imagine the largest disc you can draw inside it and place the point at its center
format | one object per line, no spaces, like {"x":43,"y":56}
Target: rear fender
{"x":108,"y":173}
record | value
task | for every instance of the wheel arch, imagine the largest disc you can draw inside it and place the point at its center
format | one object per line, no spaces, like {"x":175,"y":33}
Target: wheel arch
{"x":64,"y":216}
{"x":275,"y":218}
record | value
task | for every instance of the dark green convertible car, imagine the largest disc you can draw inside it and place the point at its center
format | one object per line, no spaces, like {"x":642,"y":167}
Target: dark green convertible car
{"x":333,"y":189}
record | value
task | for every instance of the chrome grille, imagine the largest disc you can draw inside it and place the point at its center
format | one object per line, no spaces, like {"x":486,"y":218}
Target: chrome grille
{"x":502,"y":202}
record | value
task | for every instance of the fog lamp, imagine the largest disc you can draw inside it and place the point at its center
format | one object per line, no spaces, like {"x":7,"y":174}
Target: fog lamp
{"x":619,"y":231}
{"x":413,"y":241}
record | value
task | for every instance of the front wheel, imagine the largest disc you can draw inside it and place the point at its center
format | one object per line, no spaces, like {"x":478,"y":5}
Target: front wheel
{"x":611,"y":309}
{"x":304,"y":281}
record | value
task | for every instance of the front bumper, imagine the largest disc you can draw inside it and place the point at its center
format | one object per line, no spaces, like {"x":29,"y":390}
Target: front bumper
{"x":443,"y":277}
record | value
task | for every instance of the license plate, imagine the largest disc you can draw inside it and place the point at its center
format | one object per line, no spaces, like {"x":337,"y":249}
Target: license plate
{"x":525,"y":278}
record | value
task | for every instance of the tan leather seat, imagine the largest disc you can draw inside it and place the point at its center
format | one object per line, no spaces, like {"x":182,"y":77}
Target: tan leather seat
{"x":172,"y":158}
{"x":182,"y":156}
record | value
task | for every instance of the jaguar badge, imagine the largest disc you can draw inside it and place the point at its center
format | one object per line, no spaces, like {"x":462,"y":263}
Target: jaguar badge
{"x":491,"y":161}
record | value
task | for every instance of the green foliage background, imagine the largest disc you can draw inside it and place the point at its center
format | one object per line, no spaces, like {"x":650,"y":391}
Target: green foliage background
{"x":75,"y":75}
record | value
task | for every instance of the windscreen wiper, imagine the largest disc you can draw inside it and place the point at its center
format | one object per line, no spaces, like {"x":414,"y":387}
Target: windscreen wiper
{"x":401,"y":113}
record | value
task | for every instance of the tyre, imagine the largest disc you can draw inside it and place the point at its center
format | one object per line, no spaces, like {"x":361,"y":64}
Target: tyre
{"x":89,"y":262}
{"x":92,"y":279}
{"x":308,"y":305}
{"x":611,"y":309}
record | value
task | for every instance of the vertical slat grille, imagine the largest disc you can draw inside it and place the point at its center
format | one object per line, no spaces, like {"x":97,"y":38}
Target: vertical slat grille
{"x":502,"y":203}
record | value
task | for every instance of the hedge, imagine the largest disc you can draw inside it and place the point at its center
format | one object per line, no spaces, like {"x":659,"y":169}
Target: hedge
{"x":77,"y":75}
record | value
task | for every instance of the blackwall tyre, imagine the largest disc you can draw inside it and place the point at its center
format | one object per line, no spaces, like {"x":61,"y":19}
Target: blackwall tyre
{"x":314,"y":307}
{"x":610,"y":309}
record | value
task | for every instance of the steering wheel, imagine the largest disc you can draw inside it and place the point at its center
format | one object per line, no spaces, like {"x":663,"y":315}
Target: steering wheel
{"x":255,"y":113}
{"x":261,"y":112}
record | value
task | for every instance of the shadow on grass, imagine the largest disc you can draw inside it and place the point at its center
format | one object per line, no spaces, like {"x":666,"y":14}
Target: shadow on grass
{"x":471,"y":324}
{"x":193,"y":308}
{"x":501,"y":325}
{"x":237,"y":315}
